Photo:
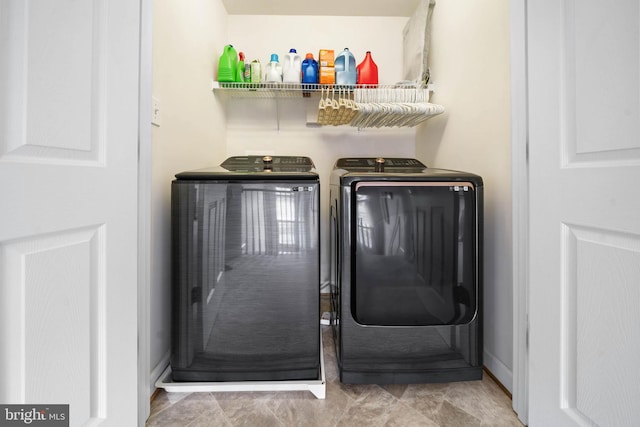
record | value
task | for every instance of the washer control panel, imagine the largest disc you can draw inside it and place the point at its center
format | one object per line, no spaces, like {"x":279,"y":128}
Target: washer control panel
{"x":259,"y":163}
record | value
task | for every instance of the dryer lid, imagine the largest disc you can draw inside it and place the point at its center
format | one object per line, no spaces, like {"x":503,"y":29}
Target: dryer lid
{"x":380,"y":164}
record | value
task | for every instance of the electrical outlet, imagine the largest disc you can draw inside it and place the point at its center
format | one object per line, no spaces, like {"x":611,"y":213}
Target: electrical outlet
{"x":155,"y":111}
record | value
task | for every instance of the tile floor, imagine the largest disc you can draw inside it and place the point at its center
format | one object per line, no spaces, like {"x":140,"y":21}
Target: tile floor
{"x":476,"y":403}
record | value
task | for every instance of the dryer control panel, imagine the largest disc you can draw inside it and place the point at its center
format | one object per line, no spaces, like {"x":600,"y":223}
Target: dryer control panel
{"x":373,"y":163}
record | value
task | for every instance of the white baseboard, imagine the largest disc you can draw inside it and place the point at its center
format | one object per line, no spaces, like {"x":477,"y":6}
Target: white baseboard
{"x":499,"y":370}
{"x":157,"y":371}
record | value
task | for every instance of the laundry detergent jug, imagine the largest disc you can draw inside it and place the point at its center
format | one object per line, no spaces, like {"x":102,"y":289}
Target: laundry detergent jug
{"x":227,"y":65}
{"x":309,"y":69}
{"x":367,"y":71}
{"x":345,"y":64}
{"x":291,"y":67}
{"x":273,"y":72}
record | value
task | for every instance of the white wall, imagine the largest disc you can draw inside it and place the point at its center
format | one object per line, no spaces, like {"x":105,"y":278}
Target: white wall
{"x":187,"y":40}
{"x":252,"y":126}
{"x":470,"y":66}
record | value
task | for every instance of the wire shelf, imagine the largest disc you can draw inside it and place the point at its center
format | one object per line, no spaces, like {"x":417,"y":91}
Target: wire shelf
{"x":298,"y":90}
{"x":361,"y":106}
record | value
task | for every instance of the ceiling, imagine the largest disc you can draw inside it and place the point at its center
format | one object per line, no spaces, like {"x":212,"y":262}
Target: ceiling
{"x":322,"y":7}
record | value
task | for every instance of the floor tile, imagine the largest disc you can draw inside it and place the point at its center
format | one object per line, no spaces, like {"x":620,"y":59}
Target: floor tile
{"x":464,"y":404}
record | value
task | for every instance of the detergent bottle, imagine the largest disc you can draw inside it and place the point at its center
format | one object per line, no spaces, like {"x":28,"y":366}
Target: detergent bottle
{"x":227,"y":65}
{"x":291,"y":67}
{"x":346,"y":73}
{"x":247,"y":72}
{"x":367,"y":71}
{"x":309,"y":69}
{"x":240,"y":69}
{"x":274,"y":70}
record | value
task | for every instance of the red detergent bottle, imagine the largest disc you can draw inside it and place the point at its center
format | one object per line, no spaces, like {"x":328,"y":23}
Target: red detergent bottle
{"x":367,"y":71}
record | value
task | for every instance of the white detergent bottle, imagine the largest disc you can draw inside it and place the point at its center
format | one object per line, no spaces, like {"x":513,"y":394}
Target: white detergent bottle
{"x":273,"y":72}
{"x":292,"y":67}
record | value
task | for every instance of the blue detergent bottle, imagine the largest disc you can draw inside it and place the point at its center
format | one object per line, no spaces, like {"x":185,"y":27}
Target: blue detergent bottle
{"x":309,"y":69}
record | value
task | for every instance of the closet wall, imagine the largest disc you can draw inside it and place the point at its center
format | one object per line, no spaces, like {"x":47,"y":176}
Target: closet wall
{"x":470,"y":64}
{"x":187,"y":39}
{"x":200,"y":128}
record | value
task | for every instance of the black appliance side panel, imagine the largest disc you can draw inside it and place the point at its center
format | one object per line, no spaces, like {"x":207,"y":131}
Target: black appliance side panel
{"x":247,"y":277}
{"x":183,"y":279}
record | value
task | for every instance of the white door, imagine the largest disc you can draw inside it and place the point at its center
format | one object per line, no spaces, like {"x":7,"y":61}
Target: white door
{"x":584,"y":148}
{"x":68,"y":217}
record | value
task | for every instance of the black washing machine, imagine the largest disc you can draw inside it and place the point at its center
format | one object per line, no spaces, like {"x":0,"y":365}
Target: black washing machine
{"x":246,"y":271}
{"x":406,"y":272}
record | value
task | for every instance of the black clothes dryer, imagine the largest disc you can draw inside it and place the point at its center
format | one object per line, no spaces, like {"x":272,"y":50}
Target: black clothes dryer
{"x":406,"y":271}
{"x":246,"y":271}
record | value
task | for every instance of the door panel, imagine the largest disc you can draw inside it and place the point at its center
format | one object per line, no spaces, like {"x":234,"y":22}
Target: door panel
{"x":48,"y":65}
{"x":69,"y":79}
{"x":601,"y":318}
{"x":55,"y":302}
{"x":584,"y":145}
{"x":602,"y":47}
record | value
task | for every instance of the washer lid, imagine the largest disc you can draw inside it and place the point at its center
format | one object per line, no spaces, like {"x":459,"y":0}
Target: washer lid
{"x":257,"y":167}
{"x":275,"y":163}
